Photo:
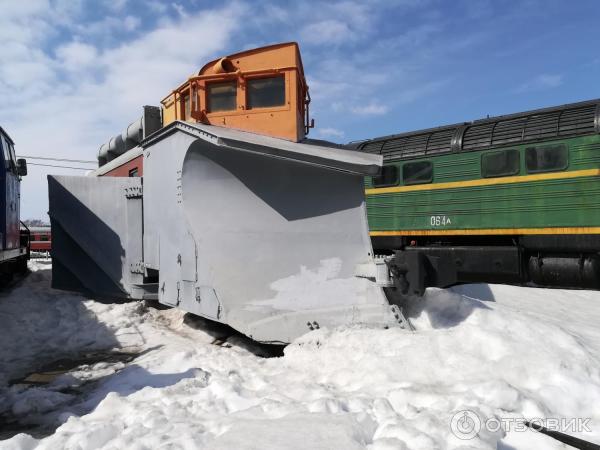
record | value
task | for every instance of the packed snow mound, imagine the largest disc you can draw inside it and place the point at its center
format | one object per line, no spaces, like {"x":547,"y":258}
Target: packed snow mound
{"x":37,"y":324}
{"x":498,"y":352}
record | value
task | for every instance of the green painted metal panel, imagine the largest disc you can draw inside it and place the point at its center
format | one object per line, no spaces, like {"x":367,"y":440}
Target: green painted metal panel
{"x":568,"y":202}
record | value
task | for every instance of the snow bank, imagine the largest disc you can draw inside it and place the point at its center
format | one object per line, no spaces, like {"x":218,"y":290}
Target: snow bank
{"x":500,"y":352}
{"x":37,"y":324}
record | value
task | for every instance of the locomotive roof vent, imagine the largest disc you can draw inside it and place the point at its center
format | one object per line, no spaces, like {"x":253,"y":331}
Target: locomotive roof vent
{"x":224,"y":65}
{"x":570,"y":120}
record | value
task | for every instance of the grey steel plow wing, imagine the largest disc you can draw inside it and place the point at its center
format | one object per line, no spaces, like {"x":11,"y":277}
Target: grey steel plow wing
{"x":259,"y":233}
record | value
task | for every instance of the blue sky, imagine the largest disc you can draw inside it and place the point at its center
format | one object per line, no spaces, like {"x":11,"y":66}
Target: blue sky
{"x":73,"y":73}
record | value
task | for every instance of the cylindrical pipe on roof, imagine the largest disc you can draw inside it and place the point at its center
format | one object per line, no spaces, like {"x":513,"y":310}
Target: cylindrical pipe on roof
{"x":117,"y":145}
{"x":133,"y":132}
{"x":224,"y":65}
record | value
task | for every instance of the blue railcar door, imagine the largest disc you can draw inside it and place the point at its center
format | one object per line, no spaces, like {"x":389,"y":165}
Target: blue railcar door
{"x":4,"y":192}
{"x":9,"y":196}
{"x":13,"y":235}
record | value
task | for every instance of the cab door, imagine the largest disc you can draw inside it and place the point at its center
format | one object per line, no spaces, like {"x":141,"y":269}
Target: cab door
{"x":4,"y":191}
{"x":12,"y":199}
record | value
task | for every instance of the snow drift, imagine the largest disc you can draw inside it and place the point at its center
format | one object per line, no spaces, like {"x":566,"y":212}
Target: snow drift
{"x":501,"y":352}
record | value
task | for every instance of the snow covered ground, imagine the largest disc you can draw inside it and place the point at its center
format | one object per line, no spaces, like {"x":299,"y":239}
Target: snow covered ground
{"x":497,"y":352}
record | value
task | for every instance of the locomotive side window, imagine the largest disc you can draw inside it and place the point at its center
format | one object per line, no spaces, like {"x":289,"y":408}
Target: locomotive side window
{"x":547,"y":158}
{"x":133,"y":172}
{"x":13,"y":159}
{"x":221,"y":96}
{"x":186,"y":112}
{"x":2,"y":146}
{"x":266,"y":92}
{"x":5,"y":151}
{"x":500,"y":164}
{"x":388,"y":177}
{"x":417,"y":172}
{"x":9,"y":155}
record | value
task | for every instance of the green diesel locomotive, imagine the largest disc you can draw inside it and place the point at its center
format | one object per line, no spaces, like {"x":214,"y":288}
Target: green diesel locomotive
{"x":509,"y":199}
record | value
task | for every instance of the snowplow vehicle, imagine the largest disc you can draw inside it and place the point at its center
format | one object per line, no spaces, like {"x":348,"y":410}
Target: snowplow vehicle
{"x":237,"y":218}
{"x":217,"y":203}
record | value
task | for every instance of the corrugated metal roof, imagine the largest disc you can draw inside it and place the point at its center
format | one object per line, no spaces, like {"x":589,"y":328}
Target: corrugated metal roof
{"x":556,"y":122}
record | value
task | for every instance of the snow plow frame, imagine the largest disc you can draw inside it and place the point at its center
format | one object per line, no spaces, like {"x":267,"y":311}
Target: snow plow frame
{"x":259,"y":233}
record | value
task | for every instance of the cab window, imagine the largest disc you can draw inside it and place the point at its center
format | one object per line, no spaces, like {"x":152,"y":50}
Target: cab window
{"x":546,"y":158}
{"x":500,"y":164}
{"x":417,"y":172}
{"x":13,"y":157}
{"x":5,"y":150}
{"x":388,"y":177}
{"x":266,"y":92}
{"x":221,"y":96}
{"x":186,"y":112}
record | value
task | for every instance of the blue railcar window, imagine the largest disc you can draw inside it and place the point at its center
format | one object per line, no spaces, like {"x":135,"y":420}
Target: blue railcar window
{"x":388,"y":177}
{"x":5,"y":152}
{"x":222,"y":96}
{"x":266,"y":92}
{"x":546,"y":158}
{"x":500,"y":164}
{"x":417,"y":172}
{"x":13,"y":159}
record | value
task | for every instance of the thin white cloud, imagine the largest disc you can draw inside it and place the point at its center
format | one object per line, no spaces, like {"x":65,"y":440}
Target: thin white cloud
{"x":131,"y":23}
{"x":157,"y":6}
{"x":419,"y":91}
{"x":547,"y":80}
{"x":330,"y":132}
{"x":180,"y":9}
{"x":327,"y":32}
{"x":107,"y":27}
{"x":541,"y":82}
{"x":115,"y":5}
{"x":339,"y":22}
{"x":370,"y":109}
{"x":76,"y":56}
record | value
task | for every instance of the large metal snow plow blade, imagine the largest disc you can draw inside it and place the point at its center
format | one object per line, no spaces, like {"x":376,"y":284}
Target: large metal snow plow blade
{"x":259,"y":233}
{"x":97,"y":236}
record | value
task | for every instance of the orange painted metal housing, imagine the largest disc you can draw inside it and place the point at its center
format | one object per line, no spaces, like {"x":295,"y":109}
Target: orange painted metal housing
{"x":278,"y":64}
{"x":190,"y":101}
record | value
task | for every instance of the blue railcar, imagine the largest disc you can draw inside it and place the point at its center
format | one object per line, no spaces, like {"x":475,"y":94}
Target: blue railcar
{"x":14,"y":237}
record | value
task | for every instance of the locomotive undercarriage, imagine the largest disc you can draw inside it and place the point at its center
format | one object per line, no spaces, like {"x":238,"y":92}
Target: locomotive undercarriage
{"x":556,"y":261}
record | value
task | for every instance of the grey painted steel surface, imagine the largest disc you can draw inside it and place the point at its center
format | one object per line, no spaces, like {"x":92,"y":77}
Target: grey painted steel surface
{"x":359,"y":163}
{"x":262,"y":234}
{"x":96,"y":234}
